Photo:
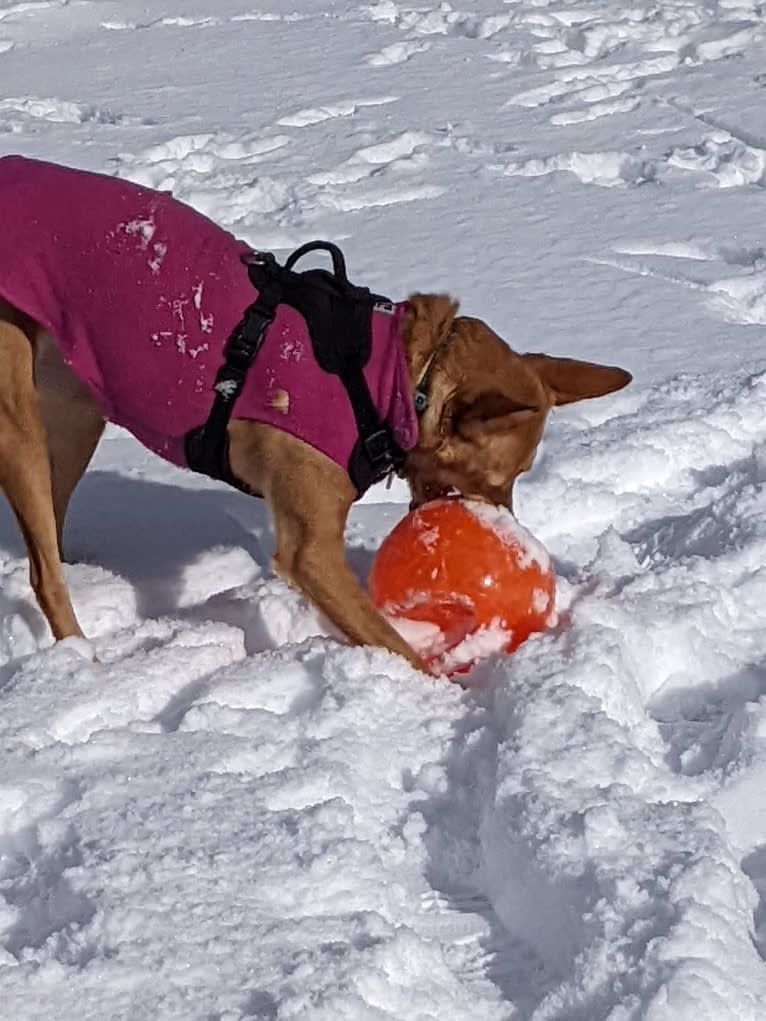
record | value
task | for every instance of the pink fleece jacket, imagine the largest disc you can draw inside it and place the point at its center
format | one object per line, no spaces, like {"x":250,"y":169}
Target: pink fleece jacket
{"x":141,"y":293}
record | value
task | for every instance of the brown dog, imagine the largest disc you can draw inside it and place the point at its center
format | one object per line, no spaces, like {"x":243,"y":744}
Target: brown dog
{"x":484,"y":418}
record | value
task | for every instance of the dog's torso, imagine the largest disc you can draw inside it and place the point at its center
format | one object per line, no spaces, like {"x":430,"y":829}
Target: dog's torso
{"x":141,"y":293}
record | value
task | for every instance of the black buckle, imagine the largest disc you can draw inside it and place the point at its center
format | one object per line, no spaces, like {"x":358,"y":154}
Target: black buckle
{"x":259,"y":259}
{"x":247,"y":338}
{"x":378,"y":448}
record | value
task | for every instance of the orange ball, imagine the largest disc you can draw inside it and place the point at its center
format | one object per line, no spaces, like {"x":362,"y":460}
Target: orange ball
{"x":467,"y":569}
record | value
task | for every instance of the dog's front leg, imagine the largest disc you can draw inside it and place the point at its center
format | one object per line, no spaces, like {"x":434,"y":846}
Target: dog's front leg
{"x":310,"y":497}
{"x":314,"y":562}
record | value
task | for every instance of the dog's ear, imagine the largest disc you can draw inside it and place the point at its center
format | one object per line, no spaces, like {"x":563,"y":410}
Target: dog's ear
{"x":486,"y":413}
{"x":430,"y":318}
{"x":569,"y":380}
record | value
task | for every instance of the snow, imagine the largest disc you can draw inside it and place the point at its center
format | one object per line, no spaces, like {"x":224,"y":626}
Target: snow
{"x":233,"y":815}
{"x":502,"y":523}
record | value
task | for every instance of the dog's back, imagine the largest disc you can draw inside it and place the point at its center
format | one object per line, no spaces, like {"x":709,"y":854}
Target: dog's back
{"x":139,"y":291}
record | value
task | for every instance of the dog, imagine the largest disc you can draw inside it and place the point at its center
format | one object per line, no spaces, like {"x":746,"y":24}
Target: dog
{"x":117,"y":303}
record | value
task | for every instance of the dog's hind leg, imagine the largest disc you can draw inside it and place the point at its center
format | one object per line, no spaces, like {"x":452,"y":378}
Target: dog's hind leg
{"x":25,"y":475}
{"x":73,"y":424}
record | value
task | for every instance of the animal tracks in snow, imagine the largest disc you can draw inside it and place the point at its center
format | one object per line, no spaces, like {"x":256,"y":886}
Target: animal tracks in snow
{"x":316,"y":115}
{"x":730,"y":278}
{"x":594,"y":53}
{"x":606,"y":169}
{"x":585,"y":63}
{"x":442,"y":20}
{"x":11,"y":11}
{"x":220,"y":174}
{"x":719,"y":156}
{"x":597,"y":57}
{"x":200,"y":21}
{"x":24,"y":114}
{"x":722,"y":161}
{"x":207,"y":169}
{"x":396,"y":53}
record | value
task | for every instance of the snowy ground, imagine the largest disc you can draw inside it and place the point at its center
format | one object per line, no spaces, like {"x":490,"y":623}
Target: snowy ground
{"x":234,"y":816}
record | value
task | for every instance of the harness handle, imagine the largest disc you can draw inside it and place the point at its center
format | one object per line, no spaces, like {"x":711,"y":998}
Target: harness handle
{"x":338,"y":262}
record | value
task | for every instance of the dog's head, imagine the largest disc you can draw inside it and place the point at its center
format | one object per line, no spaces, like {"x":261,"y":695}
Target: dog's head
{"x":487,"y":404}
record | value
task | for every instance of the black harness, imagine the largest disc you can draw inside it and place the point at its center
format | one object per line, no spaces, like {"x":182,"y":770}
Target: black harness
{"x":339,"y":319}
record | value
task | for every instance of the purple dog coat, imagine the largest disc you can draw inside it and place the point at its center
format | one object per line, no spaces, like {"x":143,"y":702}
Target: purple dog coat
{"x":141,"y":293}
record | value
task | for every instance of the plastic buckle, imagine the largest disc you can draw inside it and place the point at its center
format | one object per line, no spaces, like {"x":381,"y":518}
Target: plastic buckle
{"x":258,"y":258}
{"x":244,"y":343}
{"x":239,"y":354}
{"x":378,"y":447}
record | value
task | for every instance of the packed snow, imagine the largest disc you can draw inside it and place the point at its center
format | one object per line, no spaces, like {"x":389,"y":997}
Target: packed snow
{"x":231,"y":814}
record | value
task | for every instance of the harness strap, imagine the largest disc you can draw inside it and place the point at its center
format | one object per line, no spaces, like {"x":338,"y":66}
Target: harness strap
{"x":207,"y":446}
{"x":375,"y":453}
{"x":423,"y":386}
{"x":339,"y":319}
